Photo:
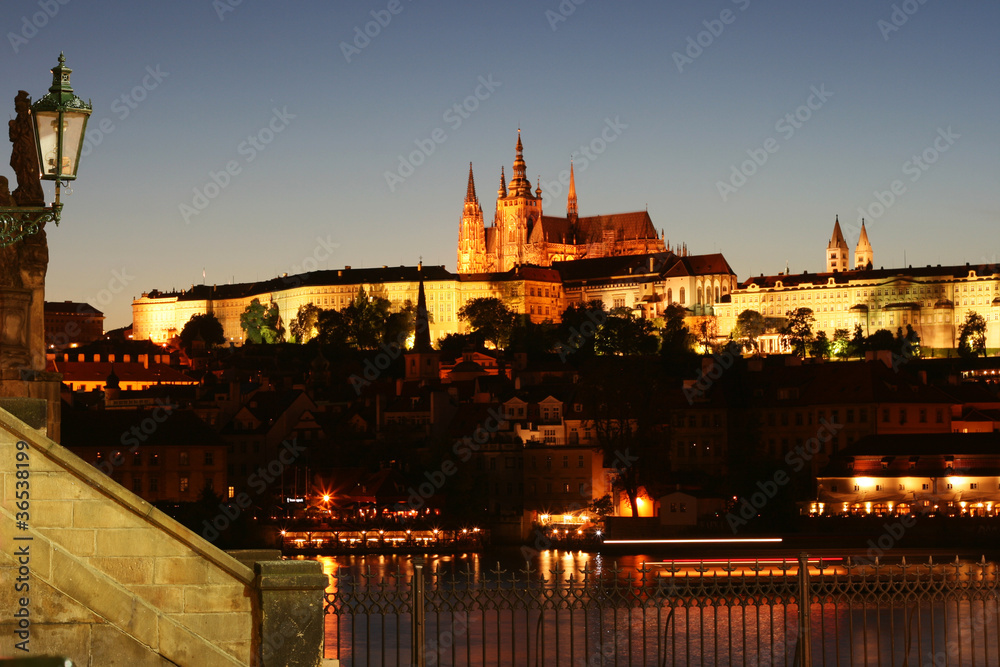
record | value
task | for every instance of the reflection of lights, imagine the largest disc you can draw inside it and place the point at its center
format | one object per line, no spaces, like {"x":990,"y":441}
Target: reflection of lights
{"x":956,"y":480}
{"x":544,"y":517}
{"x":567,"y":518}
{"x":283,"y":532}
{"x":326,"y":499}
{"x":599,"y":533}
{"x":864,"y":482}
{"x":732,"y":540}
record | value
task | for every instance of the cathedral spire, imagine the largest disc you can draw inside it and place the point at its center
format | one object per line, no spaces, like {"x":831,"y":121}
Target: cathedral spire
{"x":470,"y":193}
{"x":502,"y":190}
{"x":519,"y":183}
{"x":837,"y":252}
{"x":571,"y":211}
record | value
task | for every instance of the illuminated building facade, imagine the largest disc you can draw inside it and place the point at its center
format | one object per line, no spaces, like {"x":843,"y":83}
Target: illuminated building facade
{"x":646,"y":284}
{"x":945,"y":474}
{"x":160,"y":316}
{"x":521,"y":234}
{"x":933,"y":300}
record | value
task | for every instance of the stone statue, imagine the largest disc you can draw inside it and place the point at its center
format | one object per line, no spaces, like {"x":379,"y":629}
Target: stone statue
{"x":24,"y":155}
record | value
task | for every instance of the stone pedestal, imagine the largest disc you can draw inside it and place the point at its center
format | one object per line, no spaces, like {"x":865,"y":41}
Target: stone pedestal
{"x":33,"y":398}
{"x":292,"y":612}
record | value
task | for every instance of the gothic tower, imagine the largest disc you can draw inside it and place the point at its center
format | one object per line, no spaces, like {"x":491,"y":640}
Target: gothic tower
{"x":864,"y":256}
{"x":423,"y":362}
{"x":838,"y":255}
{"x":471,"y":233}
{"x":517,"y":212}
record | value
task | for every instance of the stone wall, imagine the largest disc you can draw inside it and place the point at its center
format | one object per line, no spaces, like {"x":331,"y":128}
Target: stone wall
{"x":109,"y":578}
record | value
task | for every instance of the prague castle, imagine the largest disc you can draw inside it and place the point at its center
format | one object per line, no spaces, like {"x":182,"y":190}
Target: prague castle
{"x":522,"y":234}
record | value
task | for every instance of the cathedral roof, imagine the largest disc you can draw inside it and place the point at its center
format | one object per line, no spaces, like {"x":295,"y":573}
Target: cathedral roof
{"x":837,"y":239}
{"x":654,"y":265}
{"x":590,"y":229}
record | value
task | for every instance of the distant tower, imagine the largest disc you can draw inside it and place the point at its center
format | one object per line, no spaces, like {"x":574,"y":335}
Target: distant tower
{"x":472,"y":233}
{"x":517,"y":213}
{"x":864,"y":256}
{"x":422,"y":362}
{"x":571,"y":211}
{"x":838,"y":255}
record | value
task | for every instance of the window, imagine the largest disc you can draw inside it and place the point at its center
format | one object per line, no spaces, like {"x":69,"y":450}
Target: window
{"x":973,"y":486}
{"x":833,"y":488}
{"x":565,"y":461}
{"x":154,"y":460}
{"x":566,"y":487}
{"x":182,"y":459}
{"x":949,"y":487}
{"x":209,"y":458}
{"x":579,"y":461}
{"x":508,"y":462}
{"x":925,"y":487}
{"x":902,"y":487}
{"x":137,"y":485}
{"x":136,"y":459}
{"x":548,"y":463}
{"x":902,"y":415}
{"x":184,"y":484}
{"x":493,"y":463}
{"x":923,"y":415}
{"x":885,"y":415}
{"x":878,"y":487}
{"x":154,"y":484}
{"x":857,"y":488}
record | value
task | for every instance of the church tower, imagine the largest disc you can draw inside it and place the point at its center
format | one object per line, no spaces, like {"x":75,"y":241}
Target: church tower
{"x":423,"y":362}
{"x":838,"y":255}
{"x":471,"y":233}
{"x":864,"y":256}
{"x":517,"y":213}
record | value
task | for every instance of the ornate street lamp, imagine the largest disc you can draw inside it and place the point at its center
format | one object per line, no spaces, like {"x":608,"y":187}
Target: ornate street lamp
{"x":59,"y":120}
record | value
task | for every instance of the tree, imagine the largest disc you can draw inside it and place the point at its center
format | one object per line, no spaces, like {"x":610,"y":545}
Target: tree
{"x":797,"y":331}
{"x":578,"y":328}
{"x":858,"y":343}
{"x":331,"y":329}
{"x":365,"y":318}
{"x":882,"y":340}
{"x":625,"y":335}
{"x":841,"y":345}
{"x":205,"y":326}
{"x":304,"y":326}
{"x":489,"y":318}
{"x":749,"y":326}
{"x":261,"y":324}
{"x":674,"y":337}
{"x":820,"y":346}
{"x":706,"y":330}
{"x":972,"y":335}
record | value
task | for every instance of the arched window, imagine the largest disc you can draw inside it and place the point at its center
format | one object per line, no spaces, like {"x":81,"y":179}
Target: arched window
{"x":681,"y":301}
{"x":717,"y":294}
{"x":670,"y":296}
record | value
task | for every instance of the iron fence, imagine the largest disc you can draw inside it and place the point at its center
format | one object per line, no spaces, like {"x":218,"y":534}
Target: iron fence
{"x":788,"y":612}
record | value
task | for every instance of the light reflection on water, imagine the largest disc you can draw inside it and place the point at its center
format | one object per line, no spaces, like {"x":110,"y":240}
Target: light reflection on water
{"x":860,"y":633}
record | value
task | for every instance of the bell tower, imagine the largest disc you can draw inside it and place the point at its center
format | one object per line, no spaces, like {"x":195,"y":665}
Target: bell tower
{"x":471,"y":233}
{"x":838,"y":255}
{"x":517,"y":213}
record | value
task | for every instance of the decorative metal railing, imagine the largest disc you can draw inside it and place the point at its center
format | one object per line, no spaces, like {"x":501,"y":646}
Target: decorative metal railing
{"x":789,"y":612}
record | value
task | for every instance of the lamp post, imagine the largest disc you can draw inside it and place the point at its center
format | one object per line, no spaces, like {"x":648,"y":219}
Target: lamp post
{"x":59,"y":120}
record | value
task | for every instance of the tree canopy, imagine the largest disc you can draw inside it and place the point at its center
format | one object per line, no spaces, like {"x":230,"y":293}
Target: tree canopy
{"x":205,"y":326}
{"x":972,"y":335}
{"x":489,"y":319}
{"x":749,"y":326}
{"x":262,"y":324}
{"x":797,"y":332}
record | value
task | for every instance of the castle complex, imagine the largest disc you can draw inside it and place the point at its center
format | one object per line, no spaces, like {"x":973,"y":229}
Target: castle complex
{"x":522,"y":234}
{"x":539,"y":264}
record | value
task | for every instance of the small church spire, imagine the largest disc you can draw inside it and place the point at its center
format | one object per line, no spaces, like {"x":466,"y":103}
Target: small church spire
{"x":519,"y":183}
{"x":422,"y":335}
{"x":571,"y":211}
{"x":502,"y":191}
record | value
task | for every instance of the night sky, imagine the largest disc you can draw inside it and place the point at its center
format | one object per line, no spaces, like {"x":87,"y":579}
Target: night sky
{"x":818,"y":107}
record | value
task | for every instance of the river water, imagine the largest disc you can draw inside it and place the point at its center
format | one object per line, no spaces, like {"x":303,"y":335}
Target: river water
{"x":760,"y":628}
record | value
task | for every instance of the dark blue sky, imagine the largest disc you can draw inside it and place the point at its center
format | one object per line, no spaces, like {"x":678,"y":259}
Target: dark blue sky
{"x":310,"y":127}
